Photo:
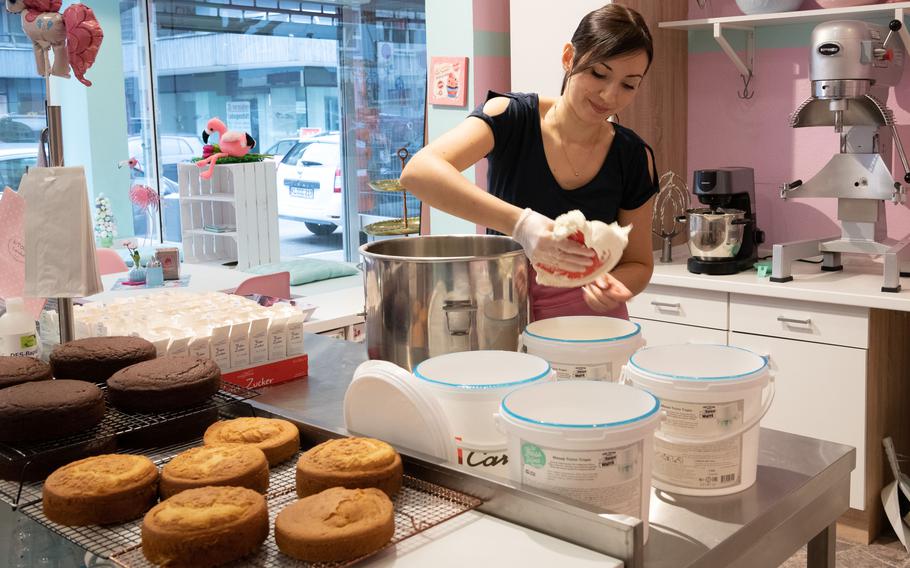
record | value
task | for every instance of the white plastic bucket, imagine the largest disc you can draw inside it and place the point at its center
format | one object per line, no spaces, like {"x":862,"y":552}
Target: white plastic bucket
{"x":469,"y":387}
{"x":711,"y":396}
{"x":588,"y":440}
{"x":583,"y":347}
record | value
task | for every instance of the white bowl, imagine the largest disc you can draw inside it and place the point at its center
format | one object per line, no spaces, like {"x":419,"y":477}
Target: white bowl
{"x":750,"y":7}
{"x":845,"y":3}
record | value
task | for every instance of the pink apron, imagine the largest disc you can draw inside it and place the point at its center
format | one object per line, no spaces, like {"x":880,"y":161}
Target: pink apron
{"x":549,"y":302}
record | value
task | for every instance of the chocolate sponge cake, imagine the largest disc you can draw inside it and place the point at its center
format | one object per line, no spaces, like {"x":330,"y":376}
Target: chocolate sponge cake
{"x":45,"y":410}
{"x":95,"y":359}
{"x":18,"y":370}
{"x":163,"y":384}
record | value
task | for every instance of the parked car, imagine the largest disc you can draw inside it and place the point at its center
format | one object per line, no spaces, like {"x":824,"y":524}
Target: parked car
{"x":14,"y":158}
{"x":16,"y":128}
{"x":309,"y":183}
{"x":173,"y":150}
{"x":280,"y":148}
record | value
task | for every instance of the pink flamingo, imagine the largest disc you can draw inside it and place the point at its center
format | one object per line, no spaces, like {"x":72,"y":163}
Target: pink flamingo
{"x":74,"y":36}
{"x":230,"y":143}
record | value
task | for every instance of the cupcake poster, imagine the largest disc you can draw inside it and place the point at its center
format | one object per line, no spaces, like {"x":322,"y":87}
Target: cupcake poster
{"x":448,"y":81}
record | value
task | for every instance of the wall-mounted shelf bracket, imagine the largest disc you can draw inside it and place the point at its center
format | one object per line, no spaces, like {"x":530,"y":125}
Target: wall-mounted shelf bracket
{"x":900,"y":14}
{"x":746,"y":66}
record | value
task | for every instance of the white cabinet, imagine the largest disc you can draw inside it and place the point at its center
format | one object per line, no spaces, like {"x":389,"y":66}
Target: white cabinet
{"x":702,"y":308}
{"x":663,"y":333}
{"x":821,"y":393}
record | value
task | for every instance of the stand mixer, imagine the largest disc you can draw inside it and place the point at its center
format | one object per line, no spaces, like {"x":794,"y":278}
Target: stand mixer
{"x":853,"y":65}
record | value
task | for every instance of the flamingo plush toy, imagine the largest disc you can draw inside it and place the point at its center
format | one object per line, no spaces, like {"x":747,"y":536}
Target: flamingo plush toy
{"x":74,"y":36}
{"x":230,"y":142}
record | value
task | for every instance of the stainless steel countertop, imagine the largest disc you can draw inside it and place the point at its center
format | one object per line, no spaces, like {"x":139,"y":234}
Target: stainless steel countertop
{"x":802,"y":486}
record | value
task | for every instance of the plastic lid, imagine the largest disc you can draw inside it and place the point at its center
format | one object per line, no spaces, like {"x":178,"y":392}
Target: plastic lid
{"x":580,"y":404}
{"x":583,"y":329}
{"x":473,"y":370}
{"x":385,"y":402}
{"x":696,"y":362}
{"x":15,"y":305}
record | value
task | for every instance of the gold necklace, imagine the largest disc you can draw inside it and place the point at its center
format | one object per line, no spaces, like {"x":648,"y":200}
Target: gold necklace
{"x":590,"y":144}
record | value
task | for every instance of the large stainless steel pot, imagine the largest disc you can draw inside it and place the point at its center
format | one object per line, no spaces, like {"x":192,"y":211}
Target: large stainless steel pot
{"x":715,"y":234}
{"x":427,"y":296}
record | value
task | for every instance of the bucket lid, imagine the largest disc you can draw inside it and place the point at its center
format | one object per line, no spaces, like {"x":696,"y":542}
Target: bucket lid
{"x":698,"y":362}
{"x":383,"y":401}
{"x":580,"y":404}
{"x":583,"y":329}
{"x":479,"y":370}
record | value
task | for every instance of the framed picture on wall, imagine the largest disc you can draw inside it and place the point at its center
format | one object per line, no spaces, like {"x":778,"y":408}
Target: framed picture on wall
{"x":448,"y":81}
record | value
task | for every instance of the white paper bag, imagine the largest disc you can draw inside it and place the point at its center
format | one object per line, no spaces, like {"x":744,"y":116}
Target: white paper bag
{"x":59,"y":244}
{"x":896,"y":497}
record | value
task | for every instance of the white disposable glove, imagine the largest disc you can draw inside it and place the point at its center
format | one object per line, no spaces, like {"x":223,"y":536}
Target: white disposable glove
{"x":534,"y":233}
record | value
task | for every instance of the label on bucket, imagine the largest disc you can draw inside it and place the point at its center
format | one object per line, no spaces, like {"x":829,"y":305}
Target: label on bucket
{"x":609,"y":478}
{"x":483,"y":462}
{"x":567,"y":371}
{"x":701,"y":420}
{"x":699,"y":466}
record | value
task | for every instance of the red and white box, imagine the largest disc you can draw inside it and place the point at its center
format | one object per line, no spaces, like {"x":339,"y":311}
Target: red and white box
{"x":272,"y":373}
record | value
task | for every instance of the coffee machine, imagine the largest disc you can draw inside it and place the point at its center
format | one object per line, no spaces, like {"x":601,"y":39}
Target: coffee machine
{"x":724,"y":236}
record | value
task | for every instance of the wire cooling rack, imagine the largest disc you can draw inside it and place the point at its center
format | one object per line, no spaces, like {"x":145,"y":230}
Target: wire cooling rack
{"x":419,"y":506}
{"x":21,"y":458}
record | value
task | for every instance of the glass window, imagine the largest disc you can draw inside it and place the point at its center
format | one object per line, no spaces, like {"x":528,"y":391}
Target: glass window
{"x":295,"y":154}
{"x":12,"y":168}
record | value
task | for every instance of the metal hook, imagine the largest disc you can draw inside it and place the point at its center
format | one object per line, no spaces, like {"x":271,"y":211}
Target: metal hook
{"x":746,"y":93}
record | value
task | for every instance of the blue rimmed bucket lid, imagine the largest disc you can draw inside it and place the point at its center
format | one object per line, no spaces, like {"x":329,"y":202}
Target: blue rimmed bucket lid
{"x":580,"y":405}
{"x":482,"y":370}
{"x":583,"y":330}
{"x":698,"y":363}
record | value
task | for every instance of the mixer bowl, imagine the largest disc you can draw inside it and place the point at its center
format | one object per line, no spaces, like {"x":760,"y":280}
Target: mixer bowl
{"x":715,"y":234}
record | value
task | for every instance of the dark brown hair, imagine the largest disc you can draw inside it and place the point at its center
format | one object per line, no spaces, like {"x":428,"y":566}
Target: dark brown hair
{"x":607,"y":32}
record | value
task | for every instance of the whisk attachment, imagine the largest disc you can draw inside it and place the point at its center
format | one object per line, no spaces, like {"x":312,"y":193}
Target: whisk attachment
{"x":669,"y":212}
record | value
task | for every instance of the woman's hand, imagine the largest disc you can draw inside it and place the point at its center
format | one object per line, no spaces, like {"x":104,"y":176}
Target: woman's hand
{"x":606,"y":294}
{"x":535,"y":234}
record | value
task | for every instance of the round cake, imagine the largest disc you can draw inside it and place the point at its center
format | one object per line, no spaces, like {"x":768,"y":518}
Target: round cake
{"x":337,"y":524}
{"x":18,"y":370}
{"x":205,"y":527}
{"x":45,"y":410}
{"x":279,"y":439}
{"x":165,"y":383}
{"x":101,"y":490}
{"x":349,"y":462}
{"x":95,"y":359}
{"x":235,"y":465}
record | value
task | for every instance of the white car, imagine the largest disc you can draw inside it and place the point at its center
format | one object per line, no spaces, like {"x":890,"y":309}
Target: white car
{"x":14,"y":159}
{"x":309,"y":184}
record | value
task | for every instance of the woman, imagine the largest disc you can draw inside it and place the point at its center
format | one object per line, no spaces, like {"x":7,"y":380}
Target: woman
{"x":548,"y":156}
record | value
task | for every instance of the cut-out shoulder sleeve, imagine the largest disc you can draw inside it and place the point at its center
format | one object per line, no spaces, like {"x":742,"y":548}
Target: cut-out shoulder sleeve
{"x":506,"y":113}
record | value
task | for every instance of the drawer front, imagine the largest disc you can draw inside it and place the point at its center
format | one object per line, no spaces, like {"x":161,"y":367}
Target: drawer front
{"x":820,"y":393}
{"x":795,"y":319}
{"x":662,"y":333}
{"x":681,"y":305}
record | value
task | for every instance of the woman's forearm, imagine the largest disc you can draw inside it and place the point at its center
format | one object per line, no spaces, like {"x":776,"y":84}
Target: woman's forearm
{"x":439,"y":184}
{"x":634,"y":275}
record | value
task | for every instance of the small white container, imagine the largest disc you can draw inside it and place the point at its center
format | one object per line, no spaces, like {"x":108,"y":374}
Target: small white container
{"x":469,"y":387}
{"x":583,"y":347}
{"x":18,"y":334}
{"x":588,"y":440}
{"x":712,"y":398}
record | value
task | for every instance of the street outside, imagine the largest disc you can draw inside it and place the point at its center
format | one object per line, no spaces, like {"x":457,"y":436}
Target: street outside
{"x":297,"y":240}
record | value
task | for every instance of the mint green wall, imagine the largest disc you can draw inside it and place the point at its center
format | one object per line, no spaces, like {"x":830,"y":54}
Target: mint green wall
{"x":94,"y":119}
{"x":450,"y":33}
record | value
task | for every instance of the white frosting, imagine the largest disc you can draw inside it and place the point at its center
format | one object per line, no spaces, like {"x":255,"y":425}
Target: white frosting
{"x":608,"y":241}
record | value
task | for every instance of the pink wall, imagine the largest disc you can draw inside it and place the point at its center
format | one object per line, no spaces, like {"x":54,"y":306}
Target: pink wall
{"x":724,"y":130}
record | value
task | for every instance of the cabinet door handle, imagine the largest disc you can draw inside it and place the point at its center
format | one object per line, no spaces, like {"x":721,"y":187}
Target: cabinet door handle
{"x":783,"y":319}
{"x":675,"y":306}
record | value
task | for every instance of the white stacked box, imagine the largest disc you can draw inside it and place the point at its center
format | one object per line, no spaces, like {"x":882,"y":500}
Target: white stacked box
{"x":234,"y":331}
{"x":241,"y":195}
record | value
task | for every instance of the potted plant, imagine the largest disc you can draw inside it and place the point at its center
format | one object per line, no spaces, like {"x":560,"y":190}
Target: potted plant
{"x":137,"y":274}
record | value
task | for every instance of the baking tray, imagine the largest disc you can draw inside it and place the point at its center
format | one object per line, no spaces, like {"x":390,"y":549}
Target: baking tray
{"x":419,"y":506}
{"x":115,"y":423}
